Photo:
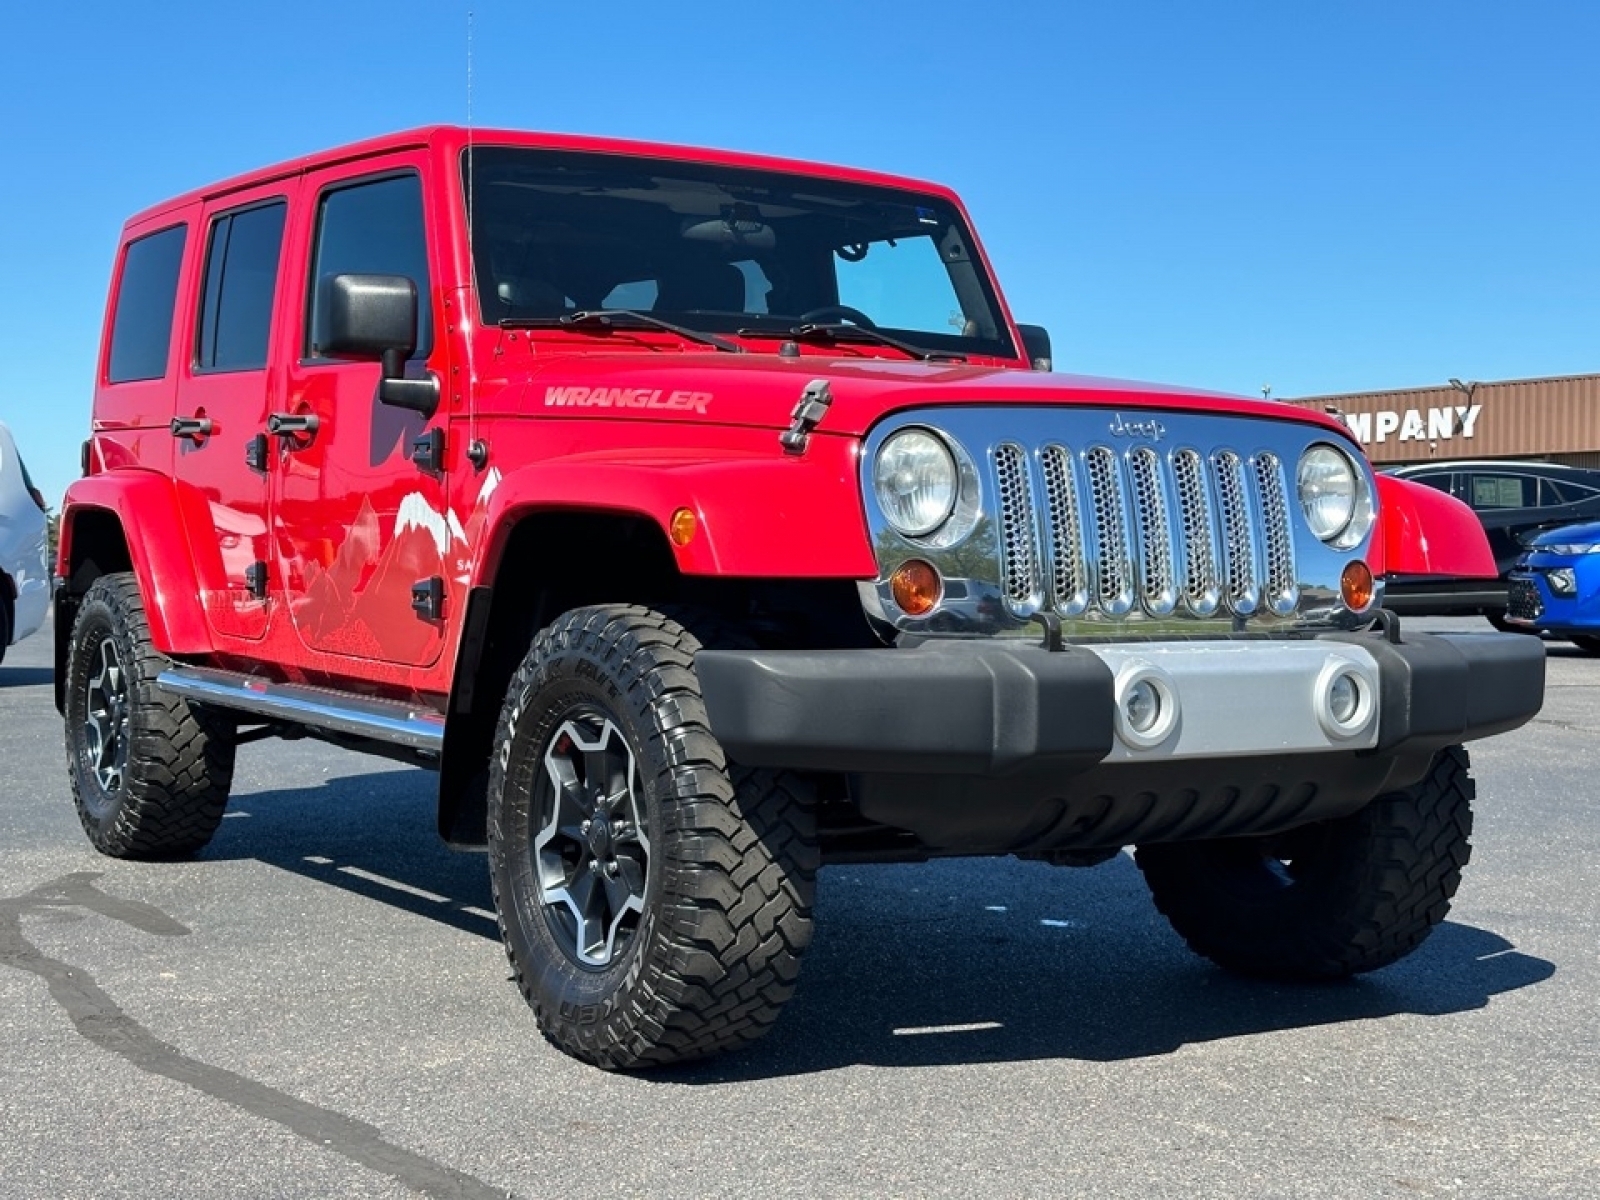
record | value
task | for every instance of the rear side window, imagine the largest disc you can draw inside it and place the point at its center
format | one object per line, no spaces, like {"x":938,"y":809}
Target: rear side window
{"x":1552,"y":492}
{"x":141,"y":324}
{"x":373,"y":229}
{"x":241,"y":277}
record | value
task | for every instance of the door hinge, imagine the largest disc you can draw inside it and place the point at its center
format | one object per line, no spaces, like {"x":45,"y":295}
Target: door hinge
{"x":427,"y":598}
{"x":255,"y":578}
{"x":427,"y":451}
{"x":255,"y":453}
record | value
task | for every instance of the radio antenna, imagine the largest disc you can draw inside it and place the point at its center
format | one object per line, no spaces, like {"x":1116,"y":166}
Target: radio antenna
{"x":477,"y":452}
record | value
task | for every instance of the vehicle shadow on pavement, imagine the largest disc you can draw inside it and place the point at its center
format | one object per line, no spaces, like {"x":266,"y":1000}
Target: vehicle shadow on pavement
{"x":373,"y":834}
{"x":20,"y":677}
{"x":950,"y":962}
{"x":1011,"y":961}
{"x":1565,"y":650}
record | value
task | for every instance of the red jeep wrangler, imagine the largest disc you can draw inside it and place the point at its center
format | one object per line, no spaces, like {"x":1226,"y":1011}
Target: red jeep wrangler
{"x":705,"y":518}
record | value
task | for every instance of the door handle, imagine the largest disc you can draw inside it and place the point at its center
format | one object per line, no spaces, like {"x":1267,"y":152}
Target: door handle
{"x":198,"y":428}
{"x":300,"y":426}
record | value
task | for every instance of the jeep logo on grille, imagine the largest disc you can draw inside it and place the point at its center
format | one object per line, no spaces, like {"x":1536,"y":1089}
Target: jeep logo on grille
{"x":1152,"y":429}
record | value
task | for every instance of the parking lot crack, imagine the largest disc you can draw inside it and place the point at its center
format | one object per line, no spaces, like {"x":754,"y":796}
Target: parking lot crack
{"x":99,"y":1019}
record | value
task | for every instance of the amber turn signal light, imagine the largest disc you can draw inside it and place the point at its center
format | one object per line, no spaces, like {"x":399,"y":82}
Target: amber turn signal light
{"x":681,"y":529}
{"x":1355,"y":585}
{"x":916,"y":587}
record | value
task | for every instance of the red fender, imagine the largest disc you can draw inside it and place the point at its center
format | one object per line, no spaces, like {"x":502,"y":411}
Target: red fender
{"x":758,"y":516}
{"x":1423,"y":531}
{"x":155,"y":523}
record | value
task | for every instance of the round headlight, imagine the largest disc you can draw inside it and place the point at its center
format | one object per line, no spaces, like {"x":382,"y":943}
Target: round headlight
{"x":915,"y":481}
{"x":1334,"y":495}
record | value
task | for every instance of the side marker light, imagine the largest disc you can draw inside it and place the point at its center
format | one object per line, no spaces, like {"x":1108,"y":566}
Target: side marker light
{"x":683,"y":526}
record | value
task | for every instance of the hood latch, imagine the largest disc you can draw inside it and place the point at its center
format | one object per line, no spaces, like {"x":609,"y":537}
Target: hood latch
{"x":807,"y":414}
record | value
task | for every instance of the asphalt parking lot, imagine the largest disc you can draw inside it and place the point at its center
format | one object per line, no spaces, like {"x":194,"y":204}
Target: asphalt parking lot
{"x":318,"y":1006}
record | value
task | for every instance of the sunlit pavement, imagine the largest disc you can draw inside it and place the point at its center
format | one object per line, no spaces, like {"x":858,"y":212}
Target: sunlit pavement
{"x":318,"y":1006}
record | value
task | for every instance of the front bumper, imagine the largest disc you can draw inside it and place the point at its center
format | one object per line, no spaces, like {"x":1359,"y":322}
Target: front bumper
{"x":986,"y":746}
{"x":997,"y":708}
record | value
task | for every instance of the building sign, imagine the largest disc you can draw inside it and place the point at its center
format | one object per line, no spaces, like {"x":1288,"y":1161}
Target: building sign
{"x":1414,"y":424}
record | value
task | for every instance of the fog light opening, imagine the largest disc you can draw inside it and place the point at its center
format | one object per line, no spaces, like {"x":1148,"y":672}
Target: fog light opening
{"x":1143,"y":706}
{"x":916,"y":587}
{"x":1344,"y":700}
{"x":1147,"y":707}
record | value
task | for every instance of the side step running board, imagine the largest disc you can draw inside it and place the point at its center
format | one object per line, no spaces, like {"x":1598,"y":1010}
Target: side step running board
{"x":318,"y":709}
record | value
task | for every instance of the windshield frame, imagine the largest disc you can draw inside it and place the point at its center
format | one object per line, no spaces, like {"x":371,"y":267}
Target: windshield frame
{"x":797,"y":209}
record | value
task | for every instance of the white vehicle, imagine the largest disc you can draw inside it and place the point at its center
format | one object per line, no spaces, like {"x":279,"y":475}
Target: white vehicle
{"x":24,"y":553}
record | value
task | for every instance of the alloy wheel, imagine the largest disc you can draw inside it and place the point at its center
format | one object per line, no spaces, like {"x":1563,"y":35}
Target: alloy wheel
{"x":591,"y":855}
{"x":106,"y":717}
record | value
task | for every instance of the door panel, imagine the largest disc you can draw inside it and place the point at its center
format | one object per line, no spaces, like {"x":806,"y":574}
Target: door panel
{"x":141,"y":353}
{"x":226,"y":389}
{"x":357,"y":524}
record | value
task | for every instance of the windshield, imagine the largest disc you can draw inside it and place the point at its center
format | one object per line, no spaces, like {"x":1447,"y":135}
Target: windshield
{"x":723,"y":249}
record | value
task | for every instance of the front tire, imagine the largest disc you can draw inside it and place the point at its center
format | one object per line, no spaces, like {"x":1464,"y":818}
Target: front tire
{"x":150,"y":774}
{"x":1329,"y":900}
{"x":1588,"y":643}
{"x":654,"y":902}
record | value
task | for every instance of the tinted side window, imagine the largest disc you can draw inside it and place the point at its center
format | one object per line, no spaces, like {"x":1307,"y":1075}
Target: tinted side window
{"x":373,"y":229}
{"x":241,"y":277}
{"x":1564,"y":492}
{"x":1437,"y":479}
{"x":141,"y":324}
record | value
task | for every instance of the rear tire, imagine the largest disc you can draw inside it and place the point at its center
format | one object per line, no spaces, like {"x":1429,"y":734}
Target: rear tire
{"x":150,"y":773}
{"x":1587,"y":643}
{"x":1332,"y":899}
{"x":6,"y":625}
{"x":654,"y":901}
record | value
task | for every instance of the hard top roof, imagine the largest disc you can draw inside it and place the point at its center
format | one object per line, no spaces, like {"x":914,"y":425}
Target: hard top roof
{"x":451,"y":138}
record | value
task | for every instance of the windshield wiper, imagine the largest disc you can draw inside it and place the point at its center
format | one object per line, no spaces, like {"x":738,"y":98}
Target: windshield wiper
{"x":843,"y":331}
{"x":608,"y":317}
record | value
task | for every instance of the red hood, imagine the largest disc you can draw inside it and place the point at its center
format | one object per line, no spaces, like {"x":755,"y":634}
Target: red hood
{"x":761,"y":390}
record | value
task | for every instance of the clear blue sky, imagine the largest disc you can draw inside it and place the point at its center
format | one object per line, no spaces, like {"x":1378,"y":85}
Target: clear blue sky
{"x":1326,"y":198}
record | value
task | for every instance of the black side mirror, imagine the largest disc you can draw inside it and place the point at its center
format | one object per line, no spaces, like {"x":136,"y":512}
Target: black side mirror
{"x":366,"y":317}
{"x":1036,"y":341}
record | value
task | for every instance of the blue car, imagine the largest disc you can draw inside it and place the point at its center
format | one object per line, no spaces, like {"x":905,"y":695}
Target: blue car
{"x":1555,"y":586}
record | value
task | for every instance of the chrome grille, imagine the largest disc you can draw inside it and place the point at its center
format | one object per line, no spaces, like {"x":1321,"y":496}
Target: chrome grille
{"x":1144,"y":529}
{"x":1201,"y":575}
{"x":1244,"y":593}
{"x":1018,"y":555}
{"x":1113,"y":550}
{"x":1069,"y":577}
{"x":1273,"y":491}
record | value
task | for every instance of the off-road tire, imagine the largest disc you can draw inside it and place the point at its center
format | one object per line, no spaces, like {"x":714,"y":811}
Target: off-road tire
{"x":158,"y":790}
{"x":729,"y":881}
{"x":1328,"y":901}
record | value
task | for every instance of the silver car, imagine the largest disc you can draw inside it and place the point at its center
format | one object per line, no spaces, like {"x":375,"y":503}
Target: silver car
{"x":24,"y":553}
